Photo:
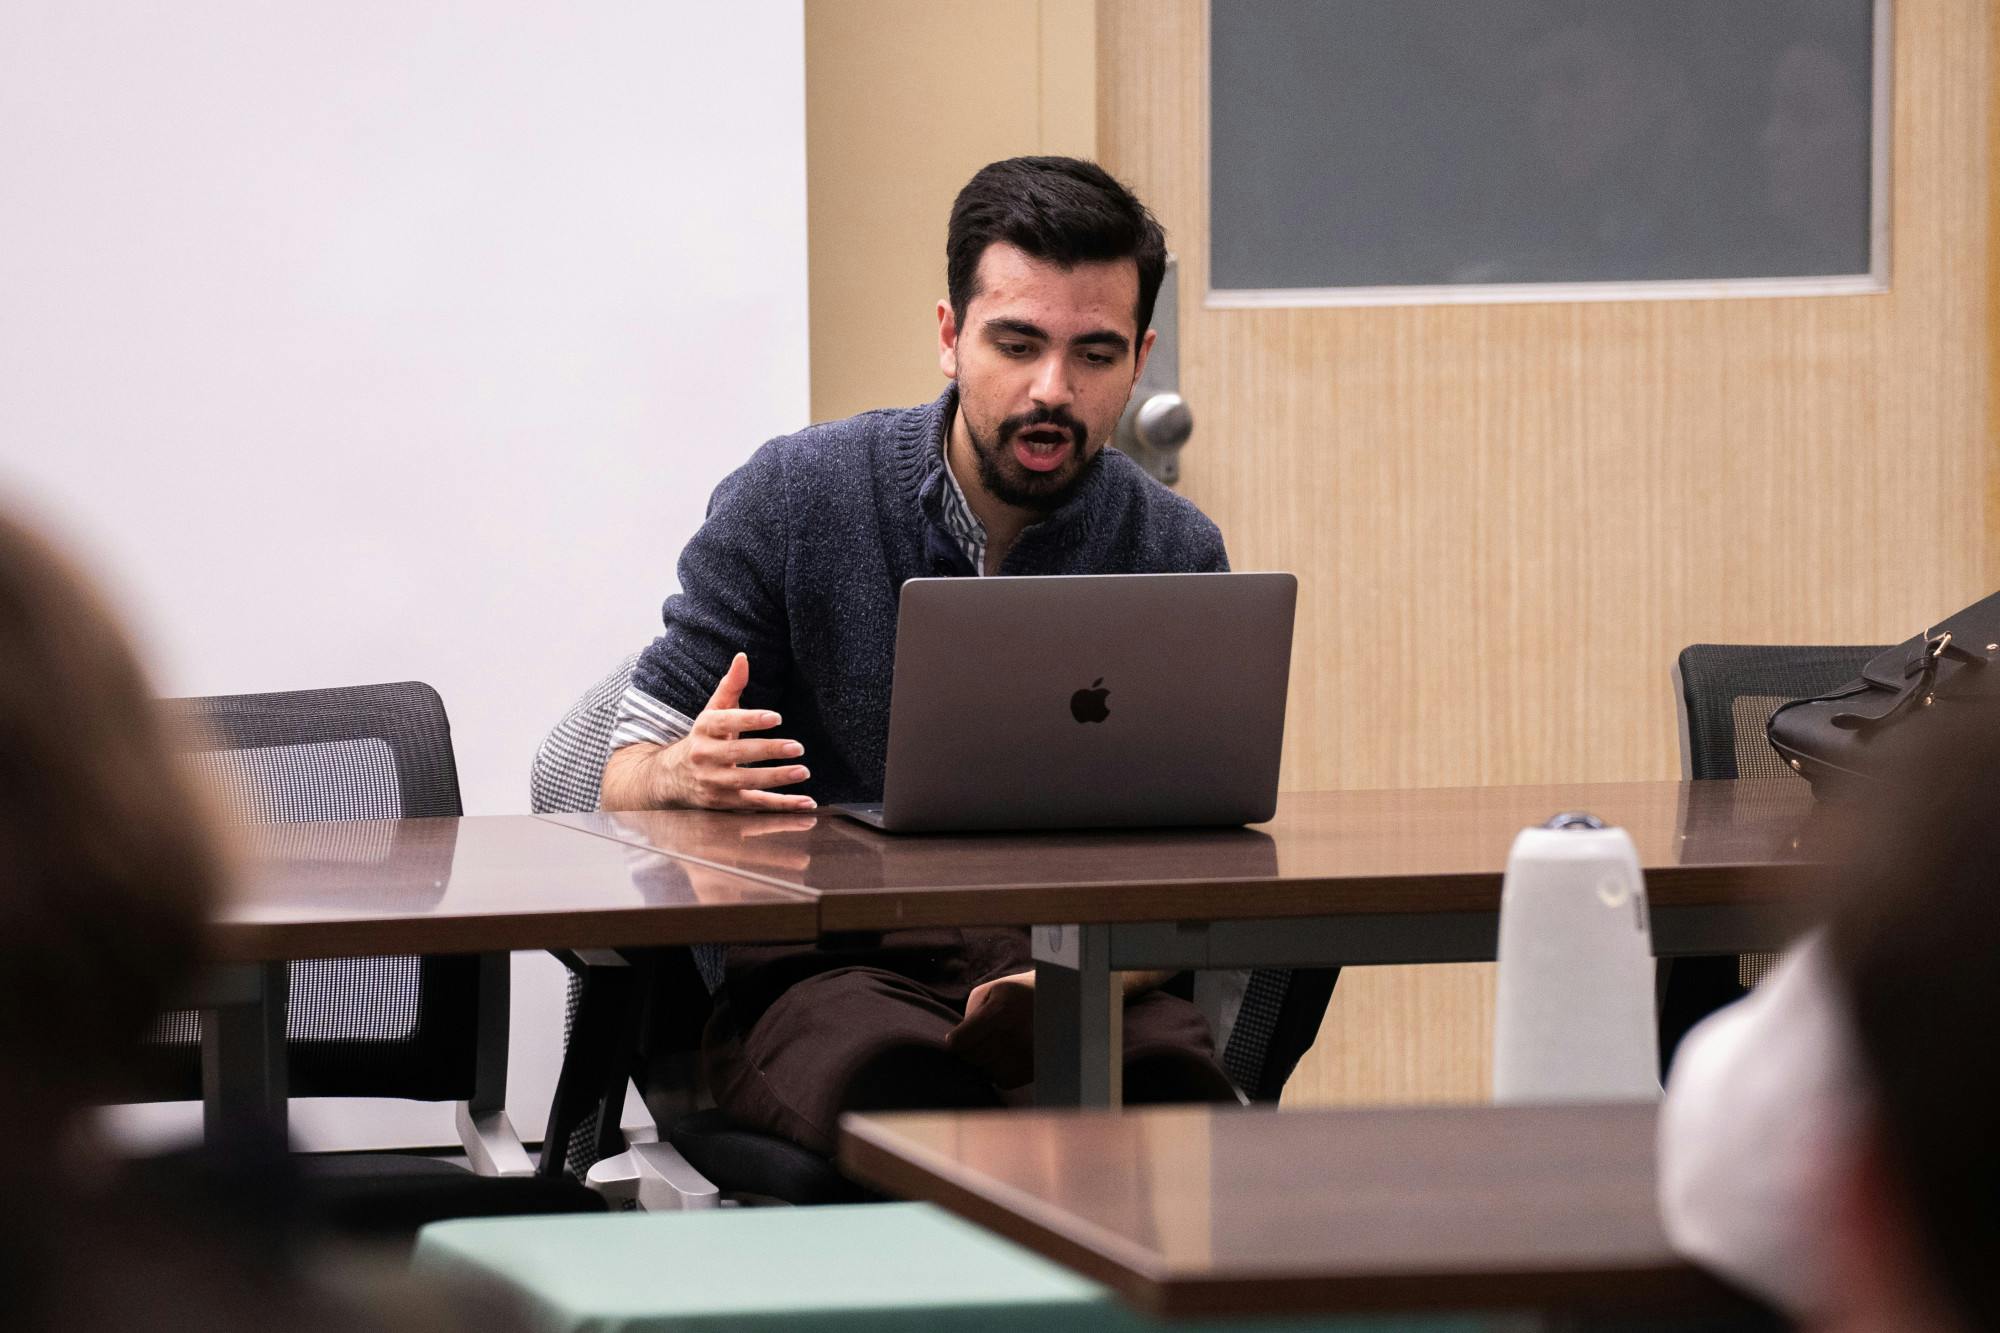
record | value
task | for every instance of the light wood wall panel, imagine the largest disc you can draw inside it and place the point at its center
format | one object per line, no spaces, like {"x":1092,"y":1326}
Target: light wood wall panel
{"x":1993,"y":296}
{"x":905,"y":99}
{"x":1508,"y":519}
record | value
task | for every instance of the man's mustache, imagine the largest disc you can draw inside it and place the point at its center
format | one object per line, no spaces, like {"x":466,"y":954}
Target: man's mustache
{"x":1042,"y":416}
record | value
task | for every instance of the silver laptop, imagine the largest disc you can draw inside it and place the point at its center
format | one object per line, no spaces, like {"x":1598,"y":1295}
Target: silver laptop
{"x":1099,"y":701}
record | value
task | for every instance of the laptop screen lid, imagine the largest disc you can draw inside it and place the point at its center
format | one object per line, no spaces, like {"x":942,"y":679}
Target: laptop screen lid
{"x":1079,"y":701}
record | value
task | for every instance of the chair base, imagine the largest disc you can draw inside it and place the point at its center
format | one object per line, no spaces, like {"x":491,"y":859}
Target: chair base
{"x":389,"y":1196}
{"x":758,"y":1164}
{"x":652,"y":1178}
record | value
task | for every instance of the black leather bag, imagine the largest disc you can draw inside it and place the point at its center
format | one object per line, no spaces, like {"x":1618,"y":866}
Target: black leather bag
{"x":1913,"y":694}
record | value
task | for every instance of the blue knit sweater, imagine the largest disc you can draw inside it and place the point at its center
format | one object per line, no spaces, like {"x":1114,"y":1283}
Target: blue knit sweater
{"x":804,"y":554}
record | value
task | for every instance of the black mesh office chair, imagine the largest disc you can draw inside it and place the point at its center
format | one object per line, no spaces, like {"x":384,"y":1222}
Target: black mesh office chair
{"x":659,"y":1033}
{"x":1725,"y":693}
{"x":429,"y":1029}
{"x":641,"y":1014}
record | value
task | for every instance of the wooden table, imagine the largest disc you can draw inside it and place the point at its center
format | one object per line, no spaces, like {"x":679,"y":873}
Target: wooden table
{"x":1359,"y":853}
{"x":1195,"y":1211}
{"x":1335,"y":878}
{"x":481,"y":884}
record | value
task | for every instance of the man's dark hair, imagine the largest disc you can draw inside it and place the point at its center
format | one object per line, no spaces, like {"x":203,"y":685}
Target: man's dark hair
{"x":1061,"y":210}
{"x":1916,"y":944}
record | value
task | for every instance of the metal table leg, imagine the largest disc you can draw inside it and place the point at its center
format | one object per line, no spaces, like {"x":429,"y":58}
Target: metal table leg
{"x":243,"y":1013}
{"x":1078,"y":1041}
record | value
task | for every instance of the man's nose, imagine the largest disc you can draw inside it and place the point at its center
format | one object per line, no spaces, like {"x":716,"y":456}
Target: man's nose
{"x":1051,"y":387}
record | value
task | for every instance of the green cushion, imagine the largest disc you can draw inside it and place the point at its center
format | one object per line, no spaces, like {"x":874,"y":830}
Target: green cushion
{"x":860,"y":1266}
{"x":843,"y":1267}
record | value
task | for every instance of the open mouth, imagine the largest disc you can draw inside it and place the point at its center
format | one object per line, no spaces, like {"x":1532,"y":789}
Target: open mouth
{"x":1042,"y":448}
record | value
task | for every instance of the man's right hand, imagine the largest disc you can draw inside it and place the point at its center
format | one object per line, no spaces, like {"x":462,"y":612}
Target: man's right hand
{"x":705,"y":769}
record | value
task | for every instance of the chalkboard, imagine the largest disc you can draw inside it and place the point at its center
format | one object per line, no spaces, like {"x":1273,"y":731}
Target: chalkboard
{"x":1395,"y":143}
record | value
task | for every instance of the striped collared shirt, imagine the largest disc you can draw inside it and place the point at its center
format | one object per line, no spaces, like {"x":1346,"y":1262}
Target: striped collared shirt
{"x":959,"y":520}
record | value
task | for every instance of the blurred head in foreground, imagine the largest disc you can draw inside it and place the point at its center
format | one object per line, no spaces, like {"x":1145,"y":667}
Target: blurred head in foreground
{"x":107,"y":863}
{"x":109,"y":866}
{"x":1916,"y":949}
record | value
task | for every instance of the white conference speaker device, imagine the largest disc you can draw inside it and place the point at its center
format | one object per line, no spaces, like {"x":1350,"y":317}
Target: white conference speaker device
{"x":1575,"y":1020}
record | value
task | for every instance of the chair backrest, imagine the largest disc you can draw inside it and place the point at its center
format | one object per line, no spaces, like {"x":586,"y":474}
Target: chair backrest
{"x":568,"y":772}
{"x":1275,"y":1025}
{"x":1727,"y":692}
{"x":567,"y":778}
{"x":568,"y":775}
{"x":365,"y":1027}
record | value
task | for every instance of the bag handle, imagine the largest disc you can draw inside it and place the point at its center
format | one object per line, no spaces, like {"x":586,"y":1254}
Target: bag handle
{"x":1919,"y":672}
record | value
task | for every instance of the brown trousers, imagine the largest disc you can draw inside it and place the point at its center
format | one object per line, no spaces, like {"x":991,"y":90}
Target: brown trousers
{"x":803,"y":1033}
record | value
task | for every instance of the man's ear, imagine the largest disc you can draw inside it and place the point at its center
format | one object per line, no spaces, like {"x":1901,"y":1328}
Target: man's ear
{"x":1145,"y":350}
{"x":947,"y":340}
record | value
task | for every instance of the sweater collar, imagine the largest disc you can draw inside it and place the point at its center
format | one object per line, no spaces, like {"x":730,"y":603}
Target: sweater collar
{"x":919,"y":462}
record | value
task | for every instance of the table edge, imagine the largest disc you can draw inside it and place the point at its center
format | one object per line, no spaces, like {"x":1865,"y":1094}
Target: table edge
{"x":876,"y":1155}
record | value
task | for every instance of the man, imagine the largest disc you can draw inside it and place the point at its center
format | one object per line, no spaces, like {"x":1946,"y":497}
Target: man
{"x":786,"y":624}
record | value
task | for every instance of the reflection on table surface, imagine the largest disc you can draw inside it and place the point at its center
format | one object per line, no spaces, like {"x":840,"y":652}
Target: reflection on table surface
{"x":1704,"y":841}
{"x":1356,"y":1205}
{"x":458,"y":884}
{"x":829,"y":854}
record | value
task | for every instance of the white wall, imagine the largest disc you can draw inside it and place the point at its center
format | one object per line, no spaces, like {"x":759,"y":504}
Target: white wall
{"x":397,"y":339}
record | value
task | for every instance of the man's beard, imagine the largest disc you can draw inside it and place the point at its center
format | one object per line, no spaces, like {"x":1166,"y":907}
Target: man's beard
{"x":1002,"y":475}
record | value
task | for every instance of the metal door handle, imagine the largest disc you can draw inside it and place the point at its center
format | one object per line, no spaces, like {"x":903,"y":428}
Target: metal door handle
{"x":1164,"y":421}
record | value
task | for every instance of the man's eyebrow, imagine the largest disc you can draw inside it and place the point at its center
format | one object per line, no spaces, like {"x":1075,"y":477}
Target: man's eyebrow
{"x":1021,"y":328}
{"x":1111,"y":338}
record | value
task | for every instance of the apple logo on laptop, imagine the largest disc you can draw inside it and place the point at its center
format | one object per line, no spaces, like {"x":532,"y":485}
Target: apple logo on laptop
{"x":1088,"y":705}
